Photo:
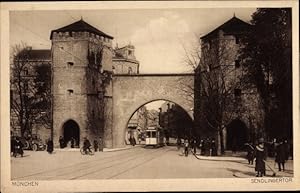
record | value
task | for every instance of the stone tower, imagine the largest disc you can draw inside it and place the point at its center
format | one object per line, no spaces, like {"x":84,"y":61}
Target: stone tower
{"x":81,"y":84}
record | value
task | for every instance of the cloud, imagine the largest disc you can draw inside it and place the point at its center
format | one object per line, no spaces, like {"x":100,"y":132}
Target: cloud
{"x":159,"y":44}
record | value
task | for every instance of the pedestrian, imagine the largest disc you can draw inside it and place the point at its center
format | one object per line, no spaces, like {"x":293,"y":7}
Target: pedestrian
{"x":207,"y":146}
{"x":201,"y":147}
{"x":178,"y":143}
{"x":87,"y":146}
{"x":280,"y":155}
{"x":260,"y":155}
{"x":100,"y":144}
{"x":273,"y":148}
{"x":186,"y":147}
{"x":250,"y":153}
{"x":194,"y":143}
{"x":133,"y":141}
{"x":287,"y":149}
{"x":213,"y":147}
{"x":12,"y":145}
{"x":50,"y":146}
{"x":96,"y":145}
{"x":18,"y":148}
{"x":61,"y":142}
{"x":72,"y":142}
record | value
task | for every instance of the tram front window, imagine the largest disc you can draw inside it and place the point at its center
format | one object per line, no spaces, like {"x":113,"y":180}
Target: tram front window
{"x":153,"y":134}
{"x":148,"y":134}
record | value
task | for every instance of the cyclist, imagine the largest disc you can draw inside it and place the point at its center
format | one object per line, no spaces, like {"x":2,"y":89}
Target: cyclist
{"x":87,"y":146}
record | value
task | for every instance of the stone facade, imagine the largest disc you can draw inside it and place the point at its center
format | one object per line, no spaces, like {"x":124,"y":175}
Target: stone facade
{"x":81,"y":67}
{"x":124,"y":61}
{"x":220,"y":65}
{"x":133,"y":91}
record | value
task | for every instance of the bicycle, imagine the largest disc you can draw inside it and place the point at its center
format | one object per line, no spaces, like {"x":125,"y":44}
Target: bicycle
{"x":86,"y":151}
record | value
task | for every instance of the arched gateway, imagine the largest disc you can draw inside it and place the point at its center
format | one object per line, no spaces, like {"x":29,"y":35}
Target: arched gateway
{"x":85,"y":89}
{"x":132,"y":91}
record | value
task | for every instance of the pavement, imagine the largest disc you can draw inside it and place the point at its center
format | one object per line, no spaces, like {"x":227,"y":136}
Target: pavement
{"x":133,"y":163}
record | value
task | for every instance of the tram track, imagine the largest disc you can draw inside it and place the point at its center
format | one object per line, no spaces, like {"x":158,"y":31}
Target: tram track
{"x":88,"y":165}
{"x":83,"y":163}
{"x":119,"y":163}
{"x":137,"y":165}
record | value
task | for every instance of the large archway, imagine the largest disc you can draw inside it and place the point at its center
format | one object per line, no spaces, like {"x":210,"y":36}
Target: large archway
{"x":237,"y":135}
{"x":169,"y":116}
{"x":132,"y":92}
{"x":71,"y":130}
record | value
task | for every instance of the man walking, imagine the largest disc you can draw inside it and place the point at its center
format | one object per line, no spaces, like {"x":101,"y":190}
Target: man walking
{"x":186,"y":147}
{"x":280,"y":155}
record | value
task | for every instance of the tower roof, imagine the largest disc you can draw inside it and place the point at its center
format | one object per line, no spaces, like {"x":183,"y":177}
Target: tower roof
{"x":80,"y":26}
{"x":232,"y":26}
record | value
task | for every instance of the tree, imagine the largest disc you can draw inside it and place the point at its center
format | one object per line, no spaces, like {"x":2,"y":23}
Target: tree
{"x":266,"y":57}
{"x":220,"y":86}
{"x":30,"y":90}
{"x":216,"y":80}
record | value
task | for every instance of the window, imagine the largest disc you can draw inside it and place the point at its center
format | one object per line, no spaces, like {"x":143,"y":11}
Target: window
{"x":153,"y":134}
{"x":70,"y":64}
{"x":70,"y":91}
{"x":237,"y":92}
{"x":129,"y":52}
{"x":25,"y":71}
{"x":237,"y":64}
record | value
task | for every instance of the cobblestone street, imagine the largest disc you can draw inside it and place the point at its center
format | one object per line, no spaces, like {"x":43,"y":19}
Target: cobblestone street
{"x":132,"y":163}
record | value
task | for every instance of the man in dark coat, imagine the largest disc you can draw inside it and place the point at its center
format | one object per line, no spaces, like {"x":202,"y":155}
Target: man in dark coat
{"x":280,"y":155}
{"x":50,"y":146}
{"x":12,"y":144}
{"x":287,"y":149}
{"x":250,"y":153}
{"x":260,"y":166}
{"x":96,"y":145}
{"x":72,"y":142}
{"x":186,"y":147}
{"x":87,"y":146}
{"x":194,"y":144}
{"x":202,"y":147}
{"x":213,"y":147}
{"x":18,"y":148}
{"x":61,"y":142}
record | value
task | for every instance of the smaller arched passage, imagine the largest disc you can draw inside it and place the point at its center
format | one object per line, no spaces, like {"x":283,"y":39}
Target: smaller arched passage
{"x":237,"y":135}
{"x":71,"y":130}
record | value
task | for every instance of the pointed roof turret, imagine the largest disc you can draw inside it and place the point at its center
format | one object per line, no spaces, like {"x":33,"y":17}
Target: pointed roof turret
{"x":81,"y":26}
{"x":232,"y":26}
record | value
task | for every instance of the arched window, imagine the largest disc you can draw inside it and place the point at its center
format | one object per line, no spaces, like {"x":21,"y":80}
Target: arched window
{"x":25,"y":71}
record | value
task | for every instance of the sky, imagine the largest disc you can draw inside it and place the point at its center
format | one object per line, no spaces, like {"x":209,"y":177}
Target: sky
{"x":160,"y":36}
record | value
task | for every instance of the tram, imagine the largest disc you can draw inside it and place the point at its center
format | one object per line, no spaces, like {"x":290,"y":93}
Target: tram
{"x":155,"y":137}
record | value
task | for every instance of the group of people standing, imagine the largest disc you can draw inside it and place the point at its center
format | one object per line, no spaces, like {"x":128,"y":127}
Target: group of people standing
{"x":260,"y":153}
{"x":207,"y":147}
